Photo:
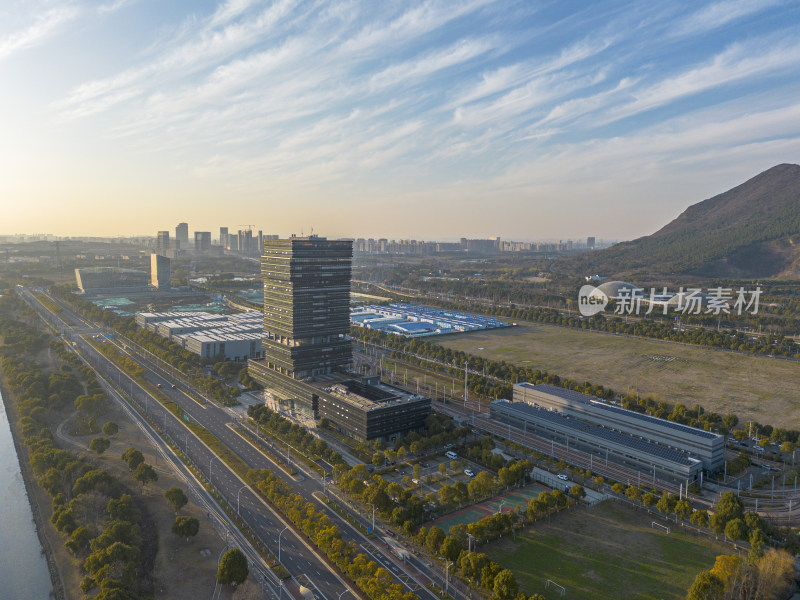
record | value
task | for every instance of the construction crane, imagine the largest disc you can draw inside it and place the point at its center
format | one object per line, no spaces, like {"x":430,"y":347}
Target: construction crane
{"x":249,"y":227}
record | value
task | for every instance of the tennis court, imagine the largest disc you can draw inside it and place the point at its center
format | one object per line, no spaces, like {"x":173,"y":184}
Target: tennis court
{"x":505,"y":502}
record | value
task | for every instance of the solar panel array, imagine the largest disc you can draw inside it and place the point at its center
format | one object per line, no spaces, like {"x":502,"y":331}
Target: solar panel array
{"x":640,"y":445}
{"x":583,"y":428}
{"x":594,"y":401}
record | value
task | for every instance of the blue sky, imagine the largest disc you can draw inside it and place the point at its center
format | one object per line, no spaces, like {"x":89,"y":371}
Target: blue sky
{"x":426,"y":120}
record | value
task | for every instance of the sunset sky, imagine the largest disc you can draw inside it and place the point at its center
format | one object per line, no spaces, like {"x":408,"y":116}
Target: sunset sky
{"x":403,"y":119}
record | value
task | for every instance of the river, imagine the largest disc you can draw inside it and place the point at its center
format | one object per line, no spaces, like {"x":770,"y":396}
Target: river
{"x":23,"y":569}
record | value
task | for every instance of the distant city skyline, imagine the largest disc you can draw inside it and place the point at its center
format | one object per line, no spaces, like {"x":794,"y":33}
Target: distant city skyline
{"x":428,"y":120}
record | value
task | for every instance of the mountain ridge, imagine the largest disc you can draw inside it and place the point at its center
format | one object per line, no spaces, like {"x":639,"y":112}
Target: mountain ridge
{"x":751,"y":230}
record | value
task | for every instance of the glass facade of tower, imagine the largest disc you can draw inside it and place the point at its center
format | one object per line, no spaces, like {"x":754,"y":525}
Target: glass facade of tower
{"x":306,"y":305}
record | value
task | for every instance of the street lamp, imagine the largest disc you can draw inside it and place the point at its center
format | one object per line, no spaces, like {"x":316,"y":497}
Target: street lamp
{"x":448,"y":564}
{"x":470,"y":537}
{"x":237,"y":497}
{"x":279,"y":542}
{"x":373,"y":516}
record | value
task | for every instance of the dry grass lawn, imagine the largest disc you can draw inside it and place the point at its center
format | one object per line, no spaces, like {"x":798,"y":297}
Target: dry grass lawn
{"x":752,"y":387}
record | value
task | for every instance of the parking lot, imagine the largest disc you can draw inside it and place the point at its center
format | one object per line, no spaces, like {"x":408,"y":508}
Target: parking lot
{"x":430,"y":477}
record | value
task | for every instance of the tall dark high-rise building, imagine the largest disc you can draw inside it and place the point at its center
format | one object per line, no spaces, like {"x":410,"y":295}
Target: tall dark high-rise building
{"x":182,"y":234}
{"x":307,"y":349}
{"x":590,"y":243}
{"x":306,"y":305}
{"x":223,"y":237}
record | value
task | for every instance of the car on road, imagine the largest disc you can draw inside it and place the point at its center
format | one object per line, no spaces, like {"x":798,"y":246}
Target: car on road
{"x":563,"y":477}
{"x":174,"y":386}
{"x":158,"y":385}
{"x":469,"y":473}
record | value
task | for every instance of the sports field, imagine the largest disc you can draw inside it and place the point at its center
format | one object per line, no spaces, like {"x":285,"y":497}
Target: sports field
{"x":607,"y":551}
{"x":505,"y":502}
{"x":753,"y":387}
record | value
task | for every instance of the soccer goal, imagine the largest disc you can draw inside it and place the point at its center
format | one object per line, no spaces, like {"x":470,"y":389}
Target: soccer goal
{"x":653,"y":525}
{"x":561,"y":589}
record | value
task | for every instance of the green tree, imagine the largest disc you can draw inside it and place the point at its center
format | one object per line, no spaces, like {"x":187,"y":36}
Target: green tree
{"x":111,"y":428}
{"x":232,"y":567}
{"x":434,"y":539}
{"x":416,"y":471}
{"x":683,"y":508}
{"x":666,"y":504}
{"x":99,"y":445}
{"x":133,"y":458}
{"x":706,"y":586}
{"x":122,"y":509}
{"x":443,"y":469}
{"x":145,"y":474}
{"x":78,"y":540}
{"x":735,"y":529}
{"x":176,"y":498}
{"x":185,"y":527}
{"x":378,"y":459}
{"x":699,"y":518}
{"x":451,"y":548}
{"x":649,"y":499}
{"x":577,"y":492}
{"x":505,"y":585}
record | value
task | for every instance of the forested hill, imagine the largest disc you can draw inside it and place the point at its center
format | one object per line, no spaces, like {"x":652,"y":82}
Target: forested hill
{"x":752,"y":230}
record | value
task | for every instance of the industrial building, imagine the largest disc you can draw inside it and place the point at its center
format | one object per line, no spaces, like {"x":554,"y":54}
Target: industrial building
{"x":639,"y":439}
{"x":160,"y":271}
{"x":110,"y":280}
{"x":307,"y":350}
{"x":414,"y":320}
{"x":235,"y":336}
{"x":635,"y":452}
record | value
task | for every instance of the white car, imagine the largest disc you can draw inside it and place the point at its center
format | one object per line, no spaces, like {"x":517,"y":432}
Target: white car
{"x":469,"y":473}
{"x":563,"y":478}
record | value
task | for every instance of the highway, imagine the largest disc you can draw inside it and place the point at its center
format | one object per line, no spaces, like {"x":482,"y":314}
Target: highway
{"x":296,"y":554}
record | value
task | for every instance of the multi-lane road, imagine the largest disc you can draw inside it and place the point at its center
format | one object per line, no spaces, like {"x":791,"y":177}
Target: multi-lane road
{"x":296,"y":554}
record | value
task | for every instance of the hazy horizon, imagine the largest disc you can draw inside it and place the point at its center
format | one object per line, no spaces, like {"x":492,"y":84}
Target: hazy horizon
{"x":419,"y":120}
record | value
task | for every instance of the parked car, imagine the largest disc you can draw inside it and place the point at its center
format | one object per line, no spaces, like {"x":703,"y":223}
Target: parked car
{"x":563,"y":478}
{"x":469,"y":473}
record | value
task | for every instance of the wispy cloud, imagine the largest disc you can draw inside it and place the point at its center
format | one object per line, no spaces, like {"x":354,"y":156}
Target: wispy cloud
{"x":44,"y":27}
{"x":718,"y":14}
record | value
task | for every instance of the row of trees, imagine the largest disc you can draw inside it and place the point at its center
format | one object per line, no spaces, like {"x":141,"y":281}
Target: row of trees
{"x":100,"y":524}
{"x":296,"y":436}
{"x":477,"y":568}
{"x":373,"y":580}
{"x":767,"y":577}
{"x":500,"y":376}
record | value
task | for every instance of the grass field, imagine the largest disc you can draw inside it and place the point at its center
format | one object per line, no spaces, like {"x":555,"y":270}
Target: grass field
{"x":753,"y":387}
{"x":608,"y":551}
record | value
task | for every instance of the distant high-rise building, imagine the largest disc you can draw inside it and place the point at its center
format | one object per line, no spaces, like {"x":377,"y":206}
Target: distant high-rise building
{"x":590,"y":243}
{"x":160,"y":271}
{"x":223,"y":237}
{"x":202,"y":241}
{"x":182,"y":234}
{"x":162,"y":242}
